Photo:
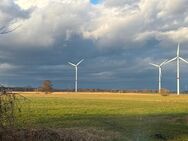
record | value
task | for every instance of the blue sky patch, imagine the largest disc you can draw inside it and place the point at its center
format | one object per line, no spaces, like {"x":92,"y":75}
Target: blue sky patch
{"x":95,"y":1}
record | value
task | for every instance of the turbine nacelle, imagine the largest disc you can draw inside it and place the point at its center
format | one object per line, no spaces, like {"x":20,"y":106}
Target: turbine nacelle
{"x":160,"y":65}
{"x":72,"y":64}
{"x":76,"y":65}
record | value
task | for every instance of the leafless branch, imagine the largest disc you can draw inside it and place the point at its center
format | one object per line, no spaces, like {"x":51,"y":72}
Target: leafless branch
{"x":9,"y":28}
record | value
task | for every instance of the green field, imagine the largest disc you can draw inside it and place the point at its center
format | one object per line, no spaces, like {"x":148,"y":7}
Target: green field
{"x":121,"y":117}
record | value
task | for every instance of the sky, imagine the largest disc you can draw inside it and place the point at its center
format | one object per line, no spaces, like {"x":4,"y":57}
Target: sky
{"x":116,"y":39}
{"x":95,"y":1}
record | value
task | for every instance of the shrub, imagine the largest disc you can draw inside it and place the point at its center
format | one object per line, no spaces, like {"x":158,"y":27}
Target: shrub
{"x":164,"y":92}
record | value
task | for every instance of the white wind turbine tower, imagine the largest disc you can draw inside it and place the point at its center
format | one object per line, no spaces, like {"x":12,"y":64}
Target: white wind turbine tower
{"x":178,"y":58}
{"x":76,"y":73}
{"x":160,"y":72}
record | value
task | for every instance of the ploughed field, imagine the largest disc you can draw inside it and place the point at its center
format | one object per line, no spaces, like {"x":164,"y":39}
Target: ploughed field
{"x":109,"y":116}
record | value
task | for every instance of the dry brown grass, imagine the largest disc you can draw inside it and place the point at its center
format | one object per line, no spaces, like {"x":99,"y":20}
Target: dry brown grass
{"x":108,"y":96}
{"x":71,"y":134}
{"x":91,"y":134}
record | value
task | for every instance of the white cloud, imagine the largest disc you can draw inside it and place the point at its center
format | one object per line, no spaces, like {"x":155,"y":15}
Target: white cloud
{"x":6,"y":67}
{"x":10,"y":11}
{"x":179,"y":35}
{"x":120,"y":3}
{"x":118,"y":24}
{"x":169,"y":8}
{"x":50,"y":21}
{"x":107,"y":24}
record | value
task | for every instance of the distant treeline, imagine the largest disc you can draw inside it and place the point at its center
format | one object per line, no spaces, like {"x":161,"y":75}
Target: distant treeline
{"x":31,"y":89}
{"x":111,"y":90}
{"x":22,"y":89}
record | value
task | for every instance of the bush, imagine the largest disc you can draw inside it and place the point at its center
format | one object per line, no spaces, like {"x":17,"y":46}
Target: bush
{"x":164,"y":92}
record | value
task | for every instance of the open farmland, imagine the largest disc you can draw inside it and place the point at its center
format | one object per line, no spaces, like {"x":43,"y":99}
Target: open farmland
{"x":121,"y":117}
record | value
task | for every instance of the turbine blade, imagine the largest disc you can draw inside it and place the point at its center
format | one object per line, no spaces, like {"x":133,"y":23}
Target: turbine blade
{"x":79,"y":62}
{"x":72,"y":64}
{"x":178,"y":50}
{"x":155,"y":65}
{"x":171,"y":60}
{"x":163,"y":63}
{"x":183,"y":60}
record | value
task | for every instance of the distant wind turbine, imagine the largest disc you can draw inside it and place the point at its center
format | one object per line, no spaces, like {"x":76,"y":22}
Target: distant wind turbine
{"x":178,"y":58}
{"x":160,"y":72}
{"x":76,"y":73}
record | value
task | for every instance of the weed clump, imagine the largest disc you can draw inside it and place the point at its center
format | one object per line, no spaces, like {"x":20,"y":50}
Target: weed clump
{"x":7,"y":110}
{"x":164,"y":92}
{"x":10,"y":108}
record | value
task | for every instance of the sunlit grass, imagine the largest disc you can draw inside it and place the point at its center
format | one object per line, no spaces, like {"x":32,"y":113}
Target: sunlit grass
{"x":133,"y":116}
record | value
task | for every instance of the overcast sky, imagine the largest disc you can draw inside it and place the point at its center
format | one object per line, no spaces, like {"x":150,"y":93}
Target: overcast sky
{"x":117,"y":38}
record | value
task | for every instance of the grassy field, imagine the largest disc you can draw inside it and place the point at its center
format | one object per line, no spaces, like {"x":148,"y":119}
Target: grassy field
{"x":121,"y":117}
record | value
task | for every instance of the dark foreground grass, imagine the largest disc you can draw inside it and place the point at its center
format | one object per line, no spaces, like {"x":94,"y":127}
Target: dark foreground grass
{"x":127,"y":117}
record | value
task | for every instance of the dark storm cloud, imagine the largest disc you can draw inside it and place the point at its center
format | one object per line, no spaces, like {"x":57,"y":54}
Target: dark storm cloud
{"x":11,"y":12}
{"x":118,"y":40}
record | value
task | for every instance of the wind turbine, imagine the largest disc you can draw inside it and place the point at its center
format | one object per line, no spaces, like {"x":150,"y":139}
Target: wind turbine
{"x":178,"y":58}
{"x":160,"y":72}
{"x":76,"y":73}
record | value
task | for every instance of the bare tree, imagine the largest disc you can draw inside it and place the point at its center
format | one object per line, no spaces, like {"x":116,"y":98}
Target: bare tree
{"x":47,"y":86}
{"x":8,"y":28}
{"x":8,"y":105}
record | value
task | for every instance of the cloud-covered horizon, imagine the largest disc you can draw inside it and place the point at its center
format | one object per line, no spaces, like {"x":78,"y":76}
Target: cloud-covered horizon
{"x":117,"y":39}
